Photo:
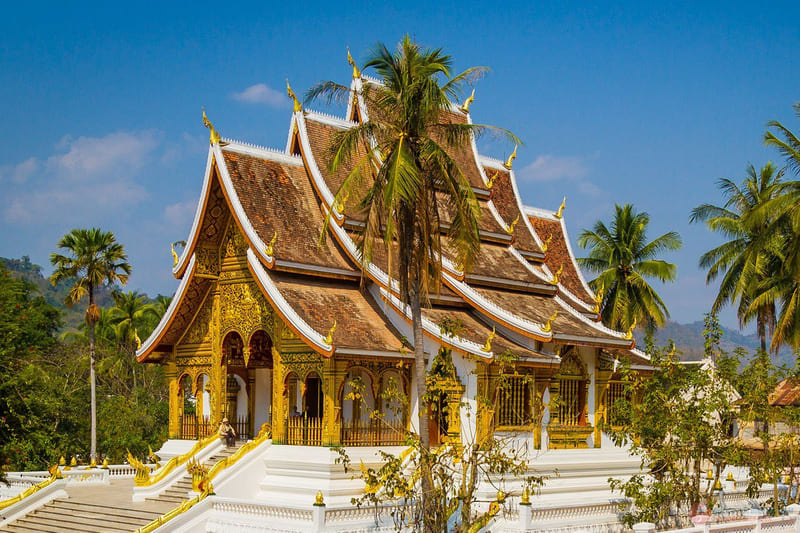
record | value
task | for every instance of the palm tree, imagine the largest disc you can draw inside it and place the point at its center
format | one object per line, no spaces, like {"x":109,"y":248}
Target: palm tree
{"x":789,"y":146}
{"x":94,"y":258}
{"x":624,"y":259}
{"x":130,"y":314}
{"x":408,"y":132}
{"x":747,"y":258}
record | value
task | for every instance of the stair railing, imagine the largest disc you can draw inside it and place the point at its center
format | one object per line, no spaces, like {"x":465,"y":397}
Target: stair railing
{"x":205,"y":487}
{"x":143,"y":476}
{"x":55,"y":474}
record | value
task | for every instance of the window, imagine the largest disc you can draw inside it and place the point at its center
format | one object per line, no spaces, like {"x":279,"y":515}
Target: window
{"x":572,"y":402}
{"x":617,"y":402}
{"x":514,"y":401}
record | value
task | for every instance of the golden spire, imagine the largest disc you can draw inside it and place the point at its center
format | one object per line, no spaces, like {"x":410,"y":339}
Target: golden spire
{"x":511,"y":158}
{"x":213,"y":136}
{"x":488,"y":346}
{"x":467,"y":102}
{"x":290,"y":92}
{"x":560,"y":211}
{"x":513,"y":225}
{"x":329,"y":337}
{"x":356,"y":72}
{"x":557,"y":275}
{"x":271,"y":246}
{"x":493,"y":177}
{"x":546,"y":244}
{"x":548,"y":327}
{"x":629,"y":334}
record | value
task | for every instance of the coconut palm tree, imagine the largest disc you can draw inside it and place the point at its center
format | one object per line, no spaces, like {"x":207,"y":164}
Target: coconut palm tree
{"x":746,"y":259}
{"x":623,"y":259}
{"x":400,"y":157}
{"x":93,"y":258}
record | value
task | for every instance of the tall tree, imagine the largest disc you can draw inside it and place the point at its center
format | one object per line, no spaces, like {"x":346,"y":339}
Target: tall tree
{"x":93,"y":258}
{"x":623,"y":259}
{"x":750,"y":255}
{"x":400,"y":164}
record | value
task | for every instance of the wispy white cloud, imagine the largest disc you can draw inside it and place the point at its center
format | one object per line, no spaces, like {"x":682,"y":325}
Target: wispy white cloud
{"x":551,"y":168}
{"x":85,"y":177}
{"x":181,"y":214}
{"x":261,"y":93}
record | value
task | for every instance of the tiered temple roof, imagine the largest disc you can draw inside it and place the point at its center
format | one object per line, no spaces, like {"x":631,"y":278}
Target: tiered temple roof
{"x":525,"y":290}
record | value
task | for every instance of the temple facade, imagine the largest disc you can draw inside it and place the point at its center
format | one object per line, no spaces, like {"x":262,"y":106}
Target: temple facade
{"x":273,"y":325}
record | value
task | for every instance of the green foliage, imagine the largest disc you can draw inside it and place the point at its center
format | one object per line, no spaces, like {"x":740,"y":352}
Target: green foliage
{"x":624,"y":259}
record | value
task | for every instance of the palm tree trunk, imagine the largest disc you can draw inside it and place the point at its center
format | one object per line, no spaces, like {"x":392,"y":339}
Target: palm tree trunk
{"x":761,"y":328}
{"x":93,"y":451}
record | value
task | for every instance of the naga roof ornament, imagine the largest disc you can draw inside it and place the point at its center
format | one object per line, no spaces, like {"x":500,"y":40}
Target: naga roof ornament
{"x":488,"y":346}
{"x":492,"y":178}
{"x":296,"y":103}
{"x":356,"y":71}
{"x":558,"y":214}
{"x":546,"y":243}
{"x":629,"y":334}
{"x":548,"y":327}
{"x":271,"y":246}
{"x":329,"y":336}
{"x":174,"y":255}
{"x":557,"y":275}
{"x":465,"y":106}
{"x":511,"y":158}
{"x":512,"y":226}
{"x":213,"y":136}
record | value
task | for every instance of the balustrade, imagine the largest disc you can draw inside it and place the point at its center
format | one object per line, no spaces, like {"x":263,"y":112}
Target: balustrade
{"x":304,"y":431}
{"x":371,"y":433}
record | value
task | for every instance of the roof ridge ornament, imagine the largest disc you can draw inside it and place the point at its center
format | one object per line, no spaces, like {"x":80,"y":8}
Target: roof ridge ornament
{"x":492,"y":178}
{"x":356,"y":71}
{"x":511,"y":158}
{"x":488,"y":346}
{"x":329,"y":336}
{"x":629,"y":333}
{"x":557,"y":275}
{"x":560,"y":213}
{"x":465,"y":106}
{"x":174,"y":255}
{"x":213,"y":136}
{"x":271,"y":246}
{"x":297,"y":105}
{"x":546,"y":243}
{"x":598,"y":299}
{"x":548,"y":327}
{"x":512,"y":226}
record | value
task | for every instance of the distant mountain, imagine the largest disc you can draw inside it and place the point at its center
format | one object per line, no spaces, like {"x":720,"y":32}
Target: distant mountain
{"x":688,"y":339}
{"x":25,"y":269}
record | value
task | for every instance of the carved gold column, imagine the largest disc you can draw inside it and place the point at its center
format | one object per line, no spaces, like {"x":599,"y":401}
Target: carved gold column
{"x":171,"y":375}
{"x":483,"y":402}
{"x":279,"y":411}
{"x":331,"y":427}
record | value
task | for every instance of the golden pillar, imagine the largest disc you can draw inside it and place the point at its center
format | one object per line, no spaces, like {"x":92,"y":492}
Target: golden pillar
{"x":171,"y":375}
{"x":279,"y":409}
{"x":331,"y":426}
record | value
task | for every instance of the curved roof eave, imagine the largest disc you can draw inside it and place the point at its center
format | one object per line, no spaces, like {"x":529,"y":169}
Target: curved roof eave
{"x":161,"y":329}
{"x":310,"y":336}
{"x":180,"y":268}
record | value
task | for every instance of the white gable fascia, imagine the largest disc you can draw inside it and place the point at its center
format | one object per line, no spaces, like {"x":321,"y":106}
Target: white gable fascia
{"x":198,"y":214}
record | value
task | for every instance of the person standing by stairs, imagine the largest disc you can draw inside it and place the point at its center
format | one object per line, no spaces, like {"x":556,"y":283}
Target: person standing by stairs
{"x":226,"y":432}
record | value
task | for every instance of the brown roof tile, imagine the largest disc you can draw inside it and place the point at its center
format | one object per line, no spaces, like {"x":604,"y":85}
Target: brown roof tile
{"x":359,"y":322}
{"x":786,"y":393}
{"x":558,"y":255}
{"x":505,"y":201}
{"x":277,"y":197}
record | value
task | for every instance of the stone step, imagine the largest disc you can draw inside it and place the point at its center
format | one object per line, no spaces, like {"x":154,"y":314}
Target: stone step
{"x":85,"y":522}
{"x":88,"y":516}
{"x":62,"y":524}
{"x":74,"y":506}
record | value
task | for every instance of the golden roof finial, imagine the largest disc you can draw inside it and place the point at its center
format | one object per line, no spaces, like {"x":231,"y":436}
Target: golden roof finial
{"x":137,"y":340}
{"x":598,"y":299}
{"x":356,"y":72}
{"x":295,"y":101}
{"x":213,"y":136}
{"x":557,"y":275}
{"x":548,"y":327}
{"x":468,"y":102}
{"x":560,"y":211}
{"x":488,"y":346}
{"x":511,"y":158}
{"x":629,"y":334}
{"x":174,"y":255}
{"x":271,"y":245}
{"x":546,"y":243}
{"x":513,"y":225}
{"x":493,"y":177}
{"x":341,"y":203}
{"x":329,"y":337}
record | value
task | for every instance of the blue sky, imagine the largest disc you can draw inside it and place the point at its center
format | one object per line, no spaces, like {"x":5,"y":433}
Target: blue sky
{"x":630,"y":102}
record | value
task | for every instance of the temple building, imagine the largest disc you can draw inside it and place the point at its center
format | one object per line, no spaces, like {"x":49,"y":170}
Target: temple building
{"x":273,"y":325}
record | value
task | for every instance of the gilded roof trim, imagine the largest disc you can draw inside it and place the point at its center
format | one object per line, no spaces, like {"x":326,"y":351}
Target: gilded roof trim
{"x":163,"y":325}
{"x":179,"y":269}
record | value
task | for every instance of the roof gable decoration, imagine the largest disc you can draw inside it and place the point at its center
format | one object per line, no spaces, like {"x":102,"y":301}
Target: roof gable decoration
{"x":315,"y":339}
{"x":180,"y":267}
{"x":152,"y":341}
{"x":594,"y":324}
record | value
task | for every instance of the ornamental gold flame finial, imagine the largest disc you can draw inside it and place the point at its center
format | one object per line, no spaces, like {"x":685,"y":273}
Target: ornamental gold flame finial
{"x":295,"y":101}
{"x":137,"y":340}
{"x":465,"y":106}
{"x":319,"y":499}
{"x":525,"y":499}
{"x":341,"y":203}
{"x":560,"y":211}
{"x":557,"y":275}
{"x":511,"y":158}
{"x":598,"y":299}
{"x":512,"y":226}
{"x":356,"y":72}
{"x":546,"y":244}
{"x":629,"y":334}
{"x":488,"y":346}
{"x":271,"y":245}
{"x":548,"y":327}
{"x":493,"y":177}
{"x":174,"y":255}
{"x":213,"y":136}
{"x":329,"y":337}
